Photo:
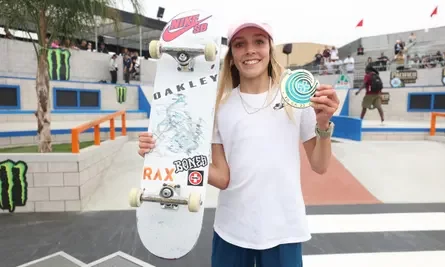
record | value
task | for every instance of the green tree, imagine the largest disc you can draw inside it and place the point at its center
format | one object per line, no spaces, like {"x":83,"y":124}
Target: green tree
{"x":68,"y":18}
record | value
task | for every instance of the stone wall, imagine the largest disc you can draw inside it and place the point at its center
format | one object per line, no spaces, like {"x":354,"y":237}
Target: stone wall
{"x":65,"y":181}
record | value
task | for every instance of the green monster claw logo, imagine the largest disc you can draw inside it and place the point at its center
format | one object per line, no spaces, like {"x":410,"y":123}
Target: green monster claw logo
{"x":121,"y":94}
{"x":59,"y":64}
{"x":13,"y":185}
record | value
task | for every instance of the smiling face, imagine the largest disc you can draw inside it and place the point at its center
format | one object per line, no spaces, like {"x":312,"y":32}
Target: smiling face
{"x":251,"y":52}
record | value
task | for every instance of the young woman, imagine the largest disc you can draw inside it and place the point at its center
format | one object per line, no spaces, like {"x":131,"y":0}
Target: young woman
{"x":260,"y":216}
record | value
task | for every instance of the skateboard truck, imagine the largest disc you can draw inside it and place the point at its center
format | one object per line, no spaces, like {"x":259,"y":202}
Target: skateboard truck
{"x":168,"y":198}
{"x":183,"y":55}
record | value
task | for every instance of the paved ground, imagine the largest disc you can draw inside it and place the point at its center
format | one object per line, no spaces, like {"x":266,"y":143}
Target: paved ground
{"x":351,"y":225}
{"x":342,"y":236}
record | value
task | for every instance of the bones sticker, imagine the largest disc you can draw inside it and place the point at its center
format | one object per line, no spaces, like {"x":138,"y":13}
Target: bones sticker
{"x":186,"y":164}
{"x":195,"y":178}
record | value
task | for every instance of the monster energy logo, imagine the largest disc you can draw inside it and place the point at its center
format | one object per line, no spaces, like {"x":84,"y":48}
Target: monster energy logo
{"x":59,"y":64}
{"x":13,"y":185}
{"x":121,"y":94}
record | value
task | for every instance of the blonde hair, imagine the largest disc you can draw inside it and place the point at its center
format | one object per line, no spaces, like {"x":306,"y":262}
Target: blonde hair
{"x":230,"y":79}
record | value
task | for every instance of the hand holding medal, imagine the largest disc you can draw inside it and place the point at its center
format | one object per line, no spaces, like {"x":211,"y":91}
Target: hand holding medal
{"x":300,"y":89}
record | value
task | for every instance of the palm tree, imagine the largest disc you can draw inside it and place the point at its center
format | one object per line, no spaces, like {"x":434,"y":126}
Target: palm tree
{"x":54,"y":18}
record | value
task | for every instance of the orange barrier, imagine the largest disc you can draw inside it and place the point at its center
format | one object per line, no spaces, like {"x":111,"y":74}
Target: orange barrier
{"x":76,"y":131}
{"x":434,"y":115}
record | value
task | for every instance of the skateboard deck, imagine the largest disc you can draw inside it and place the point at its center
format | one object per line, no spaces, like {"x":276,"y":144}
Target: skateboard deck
{"x":170,"y":201}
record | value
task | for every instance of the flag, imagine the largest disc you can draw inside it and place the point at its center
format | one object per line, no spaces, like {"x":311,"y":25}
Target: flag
{"x":434,"y":12}
{"x":360,"y":24}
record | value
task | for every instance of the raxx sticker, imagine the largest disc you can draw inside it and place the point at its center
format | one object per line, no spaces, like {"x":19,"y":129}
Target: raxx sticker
{"x":161,"y":174}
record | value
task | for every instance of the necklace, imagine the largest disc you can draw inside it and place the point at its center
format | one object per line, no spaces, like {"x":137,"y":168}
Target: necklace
{"x":244,"y":103}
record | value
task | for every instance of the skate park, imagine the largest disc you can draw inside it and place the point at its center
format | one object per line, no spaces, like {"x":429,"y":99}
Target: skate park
{"x":382,"y":202}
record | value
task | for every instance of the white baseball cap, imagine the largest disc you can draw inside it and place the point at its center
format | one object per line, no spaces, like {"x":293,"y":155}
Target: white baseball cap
{"x":235,"y":28}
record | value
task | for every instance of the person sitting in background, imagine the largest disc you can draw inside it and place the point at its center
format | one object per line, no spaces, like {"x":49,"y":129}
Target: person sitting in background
{"x":334,"y":54}
{"x":399,"y":59}
{"x":383,"y":60}
{"x":360,"y":50}
{"x":349,"y":63}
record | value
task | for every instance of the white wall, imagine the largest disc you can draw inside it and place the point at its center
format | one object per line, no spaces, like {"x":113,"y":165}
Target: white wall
{"x":18,"y":58}
{"x":397,"y":106}
{"x":28,"y":97}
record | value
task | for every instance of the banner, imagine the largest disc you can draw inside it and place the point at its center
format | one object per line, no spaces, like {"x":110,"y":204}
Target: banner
{"x":13,"y":185}
{"x":342,"y":82}
{"x":121,"y":94}
{"x":59,"y":64}
{"x":399,"y":78}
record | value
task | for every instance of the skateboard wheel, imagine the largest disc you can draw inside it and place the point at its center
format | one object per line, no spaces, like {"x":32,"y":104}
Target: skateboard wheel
{"x":154,"y":49}
{"x":194,"y":202}
{"x":210,"y":52}
{"x":135,"y":197}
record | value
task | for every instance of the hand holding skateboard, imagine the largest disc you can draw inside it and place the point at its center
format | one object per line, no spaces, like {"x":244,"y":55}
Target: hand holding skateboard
{"x":146,"y":143}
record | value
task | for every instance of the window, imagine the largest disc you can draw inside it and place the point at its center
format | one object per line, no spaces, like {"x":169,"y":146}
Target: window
{"x":418,"y":102}
{"x":65,"y":98}
{"x":9,"y":96}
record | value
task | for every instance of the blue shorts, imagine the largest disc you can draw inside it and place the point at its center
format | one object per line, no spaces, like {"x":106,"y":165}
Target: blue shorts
{"x":227,"y":255}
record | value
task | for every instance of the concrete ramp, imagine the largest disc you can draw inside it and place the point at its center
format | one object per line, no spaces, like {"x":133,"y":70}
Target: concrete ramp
{"x":399,"y":171}
{"x":148,"y":92}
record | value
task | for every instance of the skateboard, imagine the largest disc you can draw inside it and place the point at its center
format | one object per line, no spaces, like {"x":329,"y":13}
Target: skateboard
{"x":170,"y":200}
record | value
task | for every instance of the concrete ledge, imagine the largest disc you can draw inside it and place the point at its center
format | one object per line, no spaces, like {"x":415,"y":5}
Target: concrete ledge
{"x":397,"y":136}
{"x":437,"y":138}
{"x":64,"y":181}
{"x":68,"y":116}
{"x":64,"y":136}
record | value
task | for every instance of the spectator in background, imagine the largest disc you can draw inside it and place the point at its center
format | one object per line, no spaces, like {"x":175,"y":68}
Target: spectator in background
{"x":410,"y":62}
{"x":399,"y":59}
{"x":360,"y":50}
{"x":124,"y":52}
{"x":326,"y":53}
{"x":127,"y":67}
{"x":373,"y":86}
{"x":383,"y":60}
{"x":113,"y":69}
{"x":334,"y":54}
{"x":349,"y":63}
{"x":322,"y":67}
{"x":90,"y":47}
{"x":337,"y":64}
{"x":398,"y":47}
{"x":416,"y":60}
{"x":8,"y":34}
{"x":369,"y":62}
{"x":102,"y":48}
{"x":329,"y":66}
{"x":68,"y":45}
{"x":412,"y":38}
{"x":55,"y":43}
{"x":439,"y":57}
{"x":83,"y":45}
{"x":318,"y":58}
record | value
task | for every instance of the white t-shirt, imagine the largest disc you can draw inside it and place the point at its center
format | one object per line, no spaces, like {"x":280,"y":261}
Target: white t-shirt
{"x":349,"y":63}
{"x":334,"y":54}
{"x":263,"y":205}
